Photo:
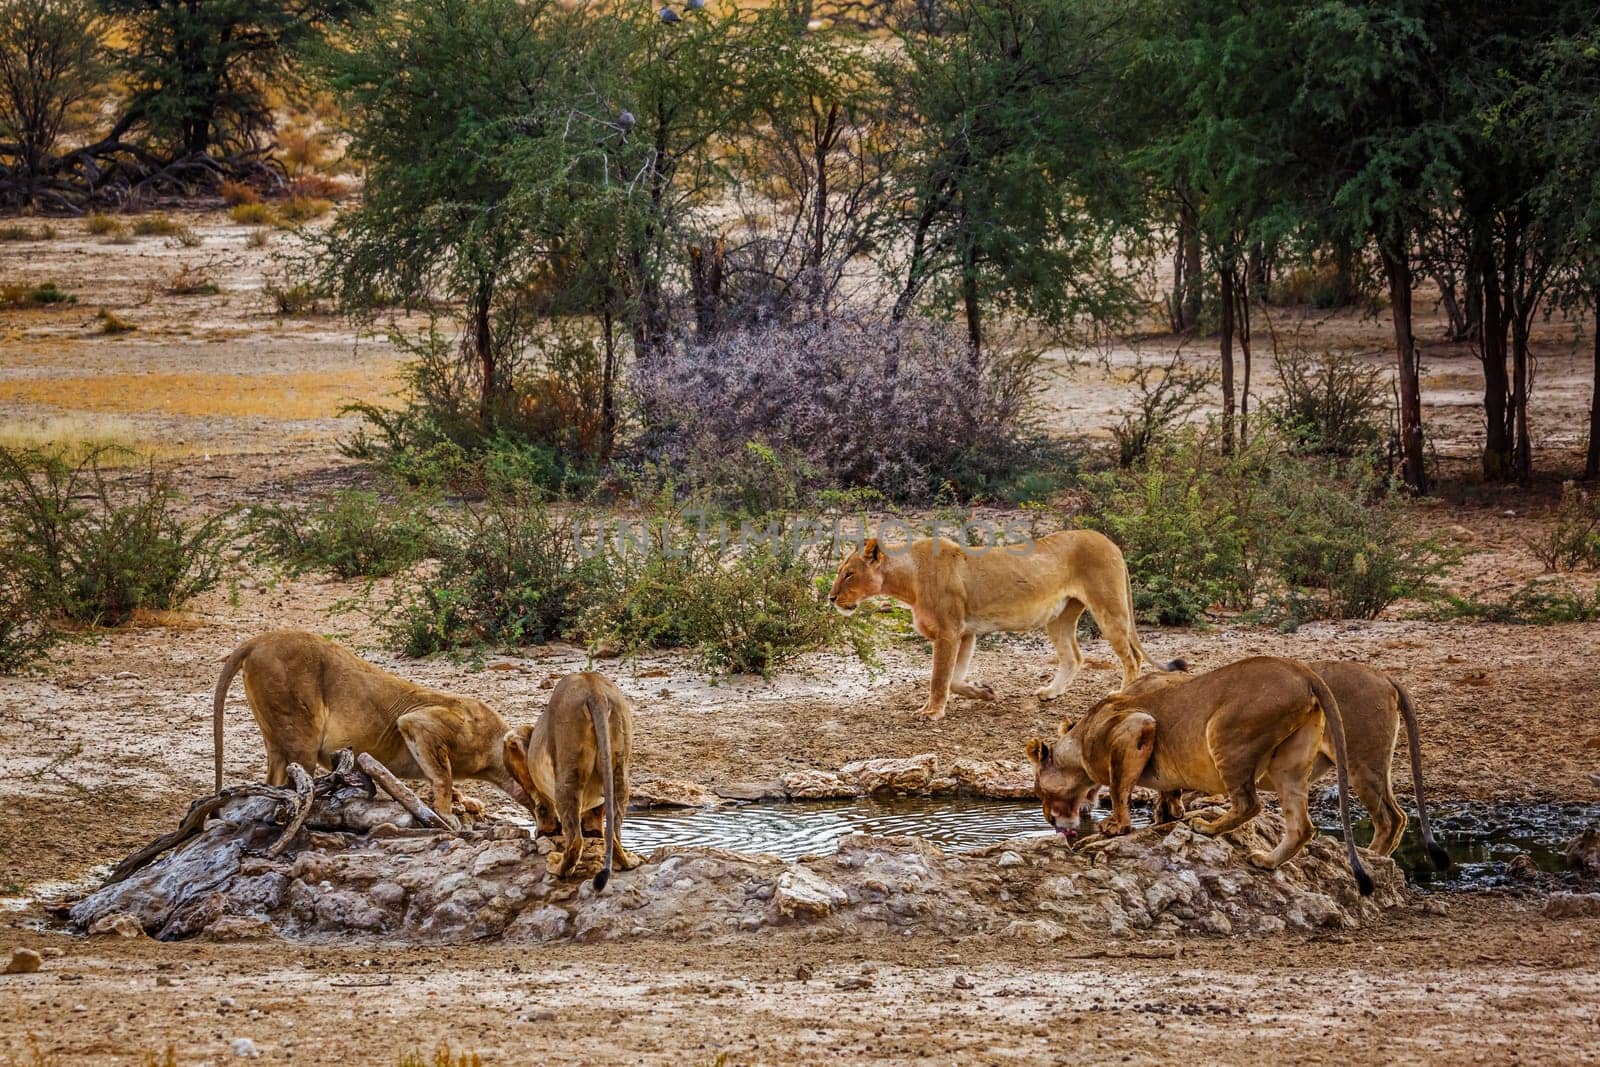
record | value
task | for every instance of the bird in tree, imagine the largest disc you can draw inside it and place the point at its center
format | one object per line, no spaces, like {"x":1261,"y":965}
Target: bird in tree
{"x":669,"y":16}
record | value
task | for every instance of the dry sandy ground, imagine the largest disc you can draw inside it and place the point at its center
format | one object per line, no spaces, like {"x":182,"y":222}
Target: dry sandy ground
{"x":106,"y":746}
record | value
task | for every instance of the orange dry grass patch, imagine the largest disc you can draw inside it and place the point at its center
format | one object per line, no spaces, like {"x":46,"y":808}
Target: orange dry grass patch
{"x":312,"y":395}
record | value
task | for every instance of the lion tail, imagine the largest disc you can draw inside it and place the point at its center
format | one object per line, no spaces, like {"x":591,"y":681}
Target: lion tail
{"x":1330,"y":710}
{"x":1133,"y":624}
{"x":1441,"y":858}
{"x":600,"y":715}
{"x":230,"y":667}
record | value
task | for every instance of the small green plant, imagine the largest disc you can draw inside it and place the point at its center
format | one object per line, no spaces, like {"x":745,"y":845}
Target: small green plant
{"x":1329,"y":403}
{"x":1573,"y":538}
{"x":1168,"y":396}
{"x":300,"y":298}
{"x":92,"y":545}
{"x":253,"y":214}
{"x":24,"y":294}
{"x":1535,"y":604}
{"x":155,"y":226}
{"x":353,"y":534}
{"x":112,"y":323}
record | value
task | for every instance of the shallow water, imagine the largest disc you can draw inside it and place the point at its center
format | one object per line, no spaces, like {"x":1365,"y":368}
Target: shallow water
{"x":1481,"y":839}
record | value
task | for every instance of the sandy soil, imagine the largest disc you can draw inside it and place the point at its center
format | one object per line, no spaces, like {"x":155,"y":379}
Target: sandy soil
{"x":107,"y":745}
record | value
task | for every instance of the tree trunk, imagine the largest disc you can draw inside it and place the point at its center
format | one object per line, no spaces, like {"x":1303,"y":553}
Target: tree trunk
{"x":483,"y":342}
{"x":608,"y":384}
{"x":1344,"y":272}
{"x":1186,"y":288}
{"x":1397,"y":267}
{"x":1522,"y":443}
{"x":705,"y":279}
{"x":969,"y":300}
{"x":1497,"y":458}
{"x":1225,"y":344}
{"x":1242,"y":328}
{"x":1591,"y":468}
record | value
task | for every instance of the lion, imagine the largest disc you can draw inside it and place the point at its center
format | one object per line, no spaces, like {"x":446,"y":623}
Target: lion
{"x":1257,"y":720}
{"x":1373,"y":706}
{"x":312,"y":697}
{"x":575,"y":760}
{"x":956,"y":593}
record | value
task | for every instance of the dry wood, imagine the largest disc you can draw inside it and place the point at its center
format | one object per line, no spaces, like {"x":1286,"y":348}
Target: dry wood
{"x":304,"y":795}
{"x":402,"y":793}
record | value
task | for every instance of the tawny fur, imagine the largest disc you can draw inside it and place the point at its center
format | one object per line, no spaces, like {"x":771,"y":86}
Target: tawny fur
{"x":1373,"y":707}
{"x":957,"y":593}
{"x":312,"y":698}
{"x":574,"y":761}
{"x":1260,"y":720}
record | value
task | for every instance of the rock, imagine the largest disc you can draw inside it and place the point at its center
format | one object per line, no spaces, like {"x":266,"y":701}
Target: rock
{"x":671,"y":793}
{"x":816,"y":785}
{"x":772,"y":790}
{"x":244,"y":1047}
{"x":801,"y":895}
{"x":121,"y":923}
{"x":1572,"y":906}
{"x":1008,"y":859}
{"x":240,"y":928}
{"x":23,"y":961}
{"x":1011,"y":779}
{"x":963,"y":982}
{"x":1522,"y":867}
{"x":855,"y":981}
{"x":913,"y":774}
{"x":163,"y":981}
{"x":1583,"y":851}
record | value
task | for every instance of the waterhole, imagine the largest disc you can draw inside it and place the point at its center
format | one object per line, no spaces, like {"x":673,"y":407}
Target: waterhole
{"x":1481,"y":839}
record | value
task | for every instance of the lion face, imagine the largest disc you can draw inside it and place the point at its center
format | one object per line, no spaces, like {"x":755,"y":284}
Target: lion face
{"x":1060,"y":782}
{"x":860,"y":577}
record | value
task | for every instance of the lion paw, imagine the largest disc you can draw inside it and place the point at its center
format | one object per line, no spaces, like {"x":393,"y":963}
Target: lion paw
{"x":929,"y":712}
{"x":627,"y":861}
{"x":1263,"y":860}
{"x":1115,"y":827}
{"x":466,"y":805}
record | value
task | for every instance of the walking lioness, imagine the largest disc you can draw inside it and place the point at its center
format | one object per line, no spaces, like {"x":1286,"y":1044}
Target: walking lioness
{"x":311,"y":698}
{"x":1258,"y":719}
{"x":956,"y":593}
{"x":575,"y":760}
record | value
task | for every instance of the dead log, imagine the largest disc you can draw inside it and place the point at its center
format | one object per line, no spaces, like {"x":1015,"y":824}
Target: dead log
{"x":304,"y":795}
{"x":402,"y":793}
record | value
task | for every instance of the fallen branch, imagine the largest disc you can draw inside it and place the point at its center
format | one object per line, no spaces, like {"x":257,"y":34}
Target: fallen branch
{"x":402,"y":793}
{"x":304,"y":794}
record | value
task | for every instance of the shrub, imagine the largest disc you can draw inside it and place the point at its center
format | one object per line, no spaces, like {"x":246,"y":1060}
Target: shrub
{"x":1300,"y":538}
{"x":19,"y":232}
{"x":184,"y":237}
{"x":235,"y":193}
{"x":253,"y":213}
{"x":304,"y":208}
{"x":99,"y":223}
{"x":155,"y":226}
{"x":1573,"y":538}
{"x":352,"y":534}
{"x":299,"y":298}
{"x":25,"y":632}
{"x":112,"y":323}
{"x":1332,"y":404}
{"x":258,"y":238}
{"x":318,"y":187}
{"x":94,"y":552}
{"x":191,"y":280}
{"x":1165,"y":402}
{"x":24,"y":294}
{"x":898,"y":407}
{"x":1544,"y":603}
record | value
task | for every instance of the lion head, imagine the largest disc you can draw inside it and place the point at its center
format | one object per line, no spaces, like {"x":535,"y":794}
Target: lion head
{"x":1061,"y":783}
{"x":860,"y":577}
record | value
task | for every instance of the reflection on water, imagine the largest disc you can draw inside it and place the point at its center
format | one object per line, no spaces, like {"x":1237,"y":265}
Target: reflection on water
{"x":1481,"y":839}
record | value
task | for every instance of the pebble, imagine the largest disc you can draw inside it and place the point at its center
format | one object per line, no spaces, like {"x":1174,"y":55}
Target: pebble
{"x":24,"y":961}
{"x":859,"y":981}
{"x":1009,"y":859}
{"x":963,"y":982}
{"x":244,"y":1047}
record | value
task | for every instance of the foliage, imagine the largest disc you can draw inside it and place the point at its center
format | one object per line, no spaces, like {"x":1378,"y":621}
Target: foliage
{"x":1536,"y":604}
{"x":253,"y":213}
{"x":25,"y":294}
{"x":1297,"y":538}
{"x":92,"y":550}
{"x":16,"y":231}
{"x":1168,"y":396}
{"x":353,"y":534}
{"x":861,"y":403}
{"x":1330,"y":403}
{"x":52,"y":69}
{"x":1573,"y":538}
{"x":199,"y":72}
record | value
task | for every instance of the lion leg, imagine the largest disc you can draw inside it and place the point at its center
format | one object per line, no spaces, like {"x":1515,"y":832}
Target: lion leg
{"x":1169,"y":808}
{"x":958,"y":683}
{"x":1388,"y":817}
{"x":1063,"y":631}
{"x":1132,"y":746}
{"x":621,"y":858}
{"x":428,"y":742}
{"x":1117,"y":626}
{"x":1289,"y":775}
{"x":944,"y":663}
{"x":568,"y":793}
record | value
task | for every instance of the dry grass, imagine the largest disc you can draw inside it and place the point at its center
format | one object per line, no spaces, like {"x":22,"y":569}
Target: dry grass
{"x":304,"y":208}
{"x":235,"y":193}
{"x":443,"y":1056}
{"x":253,"y":214}
{"x":315,"y":395}
{"x":191,"y":279}
{"x":77,"y":435}
{"x":33,"y":294}
{"x":16,"y":231}
{"x":156,"y":226}
{"x":112,"y":323}
{"x":258,"y":238}
{"x":100,"y":224}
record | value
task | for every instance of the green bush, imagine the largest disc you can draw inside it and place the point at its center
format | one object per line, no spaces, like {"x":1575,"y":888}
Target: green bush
{"x":92,"y":551}
{"x":1573,"y":539}
{"x":352,"y":534}
{"x":1295,"y":537}
{"x":1537,"y":603}
{"x":1330,"y":403}
{"x":25,"y":632}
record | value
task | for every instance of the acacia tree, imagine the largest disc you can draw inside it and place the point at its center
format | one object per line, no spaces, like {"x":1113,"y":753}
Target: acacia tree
{"x":52,"y":61}
{"x":1014,"y":195}
{"x":199,"y":70}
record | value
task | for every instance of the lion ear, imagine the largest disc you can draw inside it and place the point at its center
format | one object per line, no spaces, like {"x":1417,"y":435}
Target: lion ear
{"x":1038,"y":752}
{"x":871,"y":551}
{"x":1065,"y":727}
